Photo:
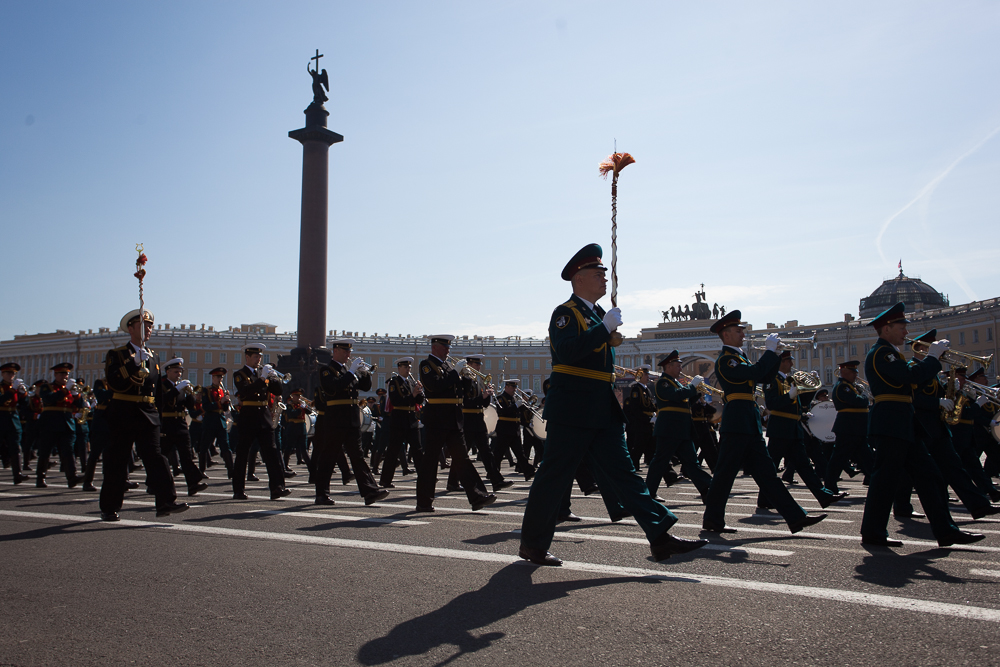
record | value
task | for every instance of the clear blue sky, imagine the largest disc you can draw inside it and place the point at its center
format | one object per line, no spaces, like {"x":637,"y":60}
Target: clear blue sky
{"x":788,"y":155}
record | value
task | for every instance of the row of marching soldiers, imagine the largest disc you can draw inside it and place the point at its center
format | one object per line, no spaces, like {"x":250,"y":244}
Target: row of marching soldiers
{"x":145,"y":412}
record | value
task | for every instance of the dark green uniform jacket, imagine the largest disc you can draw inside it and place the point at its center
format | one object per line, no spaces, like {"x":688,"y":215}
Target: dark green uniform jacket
{"x":673,"y":408}
{"x":890,"y":378}
{"x":738,"y":378}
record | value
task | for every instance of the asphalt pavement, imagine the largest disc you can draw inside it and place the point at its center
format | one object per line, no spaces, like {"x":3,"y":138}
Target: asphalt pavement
{"x":263,"y":582}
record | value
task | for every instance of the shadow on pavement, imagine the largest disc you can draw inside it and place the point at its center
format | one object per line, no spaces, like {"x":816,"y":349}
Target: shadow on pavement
{"x":888,"y":569}
{"x":507,"y":593}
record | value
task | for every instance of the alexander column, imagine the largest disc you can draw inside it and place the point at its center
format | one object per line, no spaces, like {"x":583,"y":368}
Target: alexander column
{"x":316,"y":140}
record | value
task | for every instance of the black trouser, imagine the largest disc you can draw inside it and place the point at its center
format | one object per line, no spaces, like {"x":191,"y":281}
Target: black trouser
{"x":707,"y":441}
{"x":793,"y":450}
{"x":452,"y":441}
{"x":213,"y":431}
{"x":898,"y":463}
{"x":400,"y":435}
{"x":252,"y":430}
{"x":849,"y":448}
{"x":479,"y":441}
{"x":62,"y":441}
{"x":10,"y":443}
{"x":508,"y":439}
{"x":128,"y":426}
{"x":99,"y":435}
{"x":666,"y":448}
{"x":640,"y":443}
{"x":178,"y":444}
{"x":332,"y":442}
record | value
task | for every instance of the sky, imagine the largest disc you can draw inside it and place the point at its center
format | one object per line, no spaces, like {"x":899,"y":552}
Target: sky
{"x":788,"y":156}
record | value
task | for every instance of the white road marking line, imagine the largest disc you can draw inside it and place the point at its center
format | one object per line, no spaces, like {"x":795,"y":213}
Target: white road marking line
{"x":985,"y":573}
{"x":641,"y":540}
{"x":342,"y":517}
{"x":812,"y":592}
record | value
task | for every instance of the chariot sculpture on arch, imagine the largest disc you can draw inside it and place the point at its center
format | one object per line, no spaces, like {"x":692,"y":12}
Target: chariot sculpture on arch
{"x":698,"y":310}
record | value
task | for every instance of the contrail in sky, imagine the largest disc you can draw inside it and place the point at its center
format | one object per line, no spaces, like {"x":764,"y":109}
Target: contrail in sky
{"x":926,"y":191}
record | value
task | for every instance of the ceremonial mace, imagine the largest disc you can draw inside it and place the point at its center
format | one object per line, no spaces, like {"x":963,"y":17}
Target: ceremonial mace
{"x":140,"y":273}
{"x":614,"y":165}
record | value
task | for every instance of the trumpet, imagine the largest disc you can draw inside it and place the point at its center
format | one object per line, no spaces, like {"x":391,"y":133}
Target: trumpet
{"x":471,"y":372}
{"x":974,"y":390}
{"x":788,"y":343}
{"x":634,"y":372}
{"x":706,"y":388}
{"x":860,"y":384}
{"x":365,"y":368}
{"x":953,"y":357}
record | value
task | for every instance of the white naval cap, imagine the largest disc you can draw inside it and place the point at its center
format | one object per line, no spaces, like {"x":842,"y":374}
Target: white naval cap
{"x":476,"y":357}
{"x":645,"y":367}
{"x":253,"y":348}
{"x":133,"y":316}
{"x":528,"y":392}
{"x":176,"y":362}
{"x":344,"y":343}
{"x":512,"y":381}
{"x":444,"y":339}
{"x":404,"y":360}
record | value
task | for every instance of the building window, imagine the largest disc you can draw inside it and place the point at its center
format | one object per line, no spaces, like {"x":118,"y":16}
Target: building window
{"x":236,"y":358}
{"x":208,"y":357}
{"x":961,"y":338}
{"x":267,"y":358}
{"x":548,"y":364}
{"x":513,"y":364}
{"x":854,"y":350}
{"x":89,"y":359}
{"x":989,"y":333}
{"x":829,"y":376}
{"x":192,"y":357}
{"x":538,"y":364}
{"x":488,"y":364}
{"x":803,"y":353}
{"x":537,"y":384}
{"x":840,"y":350}
{"x":975,"y":335}
{"x":381,"y":363}
{"x":826,"y":351}
{"x":815,"y":353}
{"x":222,"y":357}
{"x":381,"y":381}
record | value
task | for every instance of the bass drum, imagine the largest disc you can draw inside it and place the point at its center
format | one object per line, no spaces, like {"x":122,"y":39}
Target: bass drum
{"x":537,"y":426}
{"x":820,"y":425}
{"x":491,"y":418}
{"x":311,"y":430}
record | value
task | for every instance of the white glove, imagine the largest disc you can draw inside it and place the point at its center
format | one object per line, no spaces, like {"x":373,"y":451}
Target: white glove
{"x":266,"y":371}
{"x":981,"y":401}
{"x":73,"y":388}
{"x":460,"y":365}
{"x":793,"y":391}
{"x":815,"y":374}
{"x":807,"y":415}
{"x":947,"y":404}
{"x":356,"y":364}
{"x":142,"y":354}
{"x":19,"y":384}
{"x":182,"y":384}
{"x":652,"y":420}
{"x":708,"y":398}
{"x":937,"y":348}
{"x":697,"y":381}
{"x":613,"y":318}
{"x":771,"y":342}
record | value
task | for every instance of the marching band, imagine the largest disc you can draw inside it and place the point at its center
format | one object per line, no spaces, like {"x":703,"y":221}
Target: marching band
{"x":925,"y":422}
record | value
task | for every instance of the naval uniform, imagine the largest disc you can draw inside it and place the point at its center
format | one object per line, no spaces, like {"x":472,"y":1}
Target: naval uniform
{"x":444,"y":426}
{"x":133,"y":420}
{"x":256,"y":396}
{"x":584,"y":421}
{"x":508,"y":437}
{"x":705,"y":437}
{"x":341,"y":430}
{"x":100,"y":434}
{"x":474,"y":403}
{"x":898,"y":454}
{"x":963,"y":436}
{"x":673,"y":434}
{"x":175,"y":438}
{"x":403,"y":425}
{"x":741,"y":442}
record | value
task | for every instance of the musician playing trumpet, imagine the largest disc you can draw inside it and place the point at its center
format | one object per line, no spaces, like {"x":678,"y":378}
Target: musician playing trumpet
{"x":850,"y":426}
{"x":478,"y":396}
{"x":898,"y":453}
{"x":216,"y":402}
{"x":406,"y":394}
{"x":339,"y":426}
{"x":257,"y":387}
{"x":174,"y":397}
